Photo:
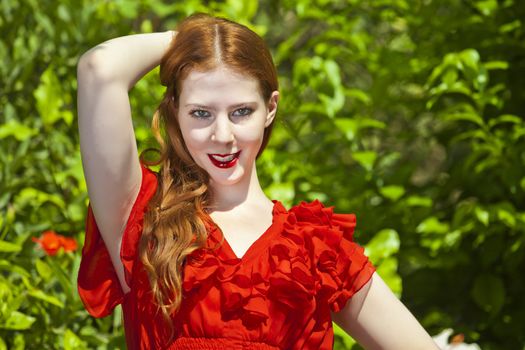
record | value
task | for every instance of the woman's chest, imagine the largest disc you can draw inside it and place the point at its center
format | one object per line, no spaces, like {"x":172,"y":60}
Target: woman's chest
{"x":241,"y":233}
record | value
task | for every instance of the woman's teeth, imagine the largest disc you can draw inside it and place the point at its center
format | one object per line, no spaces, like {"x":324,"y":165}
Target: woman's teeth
{"x":223,"y":159}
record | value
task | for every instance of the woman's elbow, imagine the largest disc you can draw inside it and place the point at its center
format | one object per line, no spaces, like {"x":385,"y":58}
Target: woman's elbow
{"x":93,"y":67}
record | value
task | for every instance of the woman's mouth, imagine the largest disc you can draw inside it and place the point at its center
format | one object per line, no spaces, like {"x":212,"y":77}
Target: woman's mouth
{"x":224,"y":160}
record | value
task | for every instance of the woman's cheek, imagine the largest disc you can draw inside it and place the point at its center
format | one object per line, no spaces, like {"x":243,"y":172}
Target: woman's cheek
{"x":198,"y":137}
{"x":251,"y":134}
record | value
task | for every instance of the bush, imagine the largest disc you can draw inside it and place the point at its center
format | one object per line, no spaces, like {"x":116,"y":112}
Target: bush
{"x":409,"y":114}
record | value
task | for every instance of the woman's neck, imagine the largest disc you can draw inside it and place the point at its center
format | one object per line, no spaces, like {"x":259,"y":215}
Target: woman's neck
{"x":226,"y":198}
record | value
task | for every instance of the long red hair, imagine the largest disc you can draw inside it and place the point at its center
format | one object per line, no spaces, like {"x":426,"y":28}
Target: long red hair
{"x":174,"y":224}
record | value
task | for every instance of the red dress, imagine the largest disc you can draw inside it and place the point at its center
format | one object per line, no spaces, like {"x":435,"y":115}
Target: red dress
{"x":277,"y":296}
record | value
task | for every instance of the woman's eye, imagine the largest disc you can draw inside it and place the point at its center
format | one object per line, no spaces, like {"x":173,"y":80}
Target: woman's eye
{"x":241,"y":112}
{"x":200,"y":113}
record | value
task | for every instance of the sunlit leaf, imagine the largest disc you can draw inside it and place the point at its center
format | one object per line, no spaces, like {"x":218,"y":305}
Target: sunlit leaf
{"x":507,"y":217}
{"x":418,"y":201}
{"x":384,"y":244}
{"x":388,"y":272}
{"x":18,"y":321}
{"x":487,"y":7}
{"x":348,"y":341}
{"x":43,"y":269}
{"x":365,"y":158}
{"x":73,"y":342}
{"x":13,"y":128}
{"x":482,"y":215}
{"x":50,"y":99}
{"x":496,"y":65}
{"x":392,"y":192}
{"x":432,"y":225}
{"x":39,"y":294}
{"x":13,"y":268}
{"x":466,"y":117}
{"x":8,"y":247}
{"x":505,"y":118}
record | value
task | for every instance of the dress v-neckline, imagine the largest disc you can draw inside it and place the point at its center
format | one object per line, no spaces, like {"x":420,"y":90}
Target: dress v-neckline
{"x":256,"y":245}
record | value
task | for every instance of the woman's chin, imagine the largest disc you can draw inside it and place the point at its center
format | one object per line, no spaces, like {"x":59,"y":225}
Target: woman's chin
{"x":222,"y":177}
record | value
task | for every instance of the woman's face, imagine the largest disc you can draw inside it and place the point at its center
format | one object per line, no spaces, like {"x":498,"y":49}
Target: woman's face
{"x":222,"y":117}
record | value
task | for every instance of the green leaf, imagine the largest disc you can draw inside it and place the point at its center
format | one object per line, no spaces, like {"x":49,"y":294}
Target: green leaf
{"x":451,"y":239}
{"x":392,"y":192}
{"x":9,"y":266}
{"x":419,"y":201}
{"x":8,"y":247}
{"x":486,"y":7}
{"x":347,"y":126}
{"x":19,"y":342}
{"x":18,"y":321}
{"x":470,"y":58}
{"x":432,"y":225}
{"x":62,"y":278}
{"x":128,"y":8}
{"x":14,"y":128}
{"x":284,"y":191}
{"x":333,"y":72}
{"x":482,"y":215}
{"x":388,"y":272}
{"x":365,"y":158}
{"x":489,"y":293}
{"x":73,"y":342}
{"x":506,"y":217}
{"x":50,"y":99}
{"x":465,"y":117}
{"x":36,"y":198}
{"x":371,"y":123}
{"x":347,"y":340}
{"x":505,"y":118}
{"x":359,"y":95}
{"x":496,"y":65}
{"x":39,"y":294}
{"x":241,"y":9}
{"x":43,"y":270}
{"x":384,"y":244}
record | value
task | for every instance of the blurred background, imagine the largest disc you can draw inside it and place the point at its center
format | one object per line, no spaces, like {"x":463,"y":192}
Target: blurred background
{"x":407,"y":113}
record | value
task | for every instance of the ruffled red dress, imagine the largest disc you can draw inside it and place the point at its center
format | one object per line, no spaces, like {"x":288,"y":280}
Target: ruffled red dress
{"x":277,"y":296}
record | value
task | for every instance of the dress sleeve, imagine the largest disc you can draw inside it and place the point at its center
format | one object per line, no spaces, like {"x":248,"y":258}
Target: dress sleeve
{"x":353,"y":269}
{"x":340,"y":264}
{"x":98,"y":285}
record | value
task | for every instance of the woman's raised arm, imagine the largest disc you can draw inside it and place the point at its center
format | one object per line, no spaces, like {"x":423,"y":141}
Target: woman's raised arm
{"x":379,"y":321}
{"x":108,"y":146}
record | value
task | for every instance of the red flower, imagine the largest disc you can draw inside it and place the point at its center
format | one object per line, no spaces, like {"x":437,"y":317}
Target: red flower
{"x":51,"y":242}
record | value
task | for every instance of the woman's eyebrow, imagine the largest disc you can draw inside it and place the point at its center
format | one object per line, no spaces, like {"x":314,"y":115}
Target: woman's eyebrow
{"x":198,"y":105}
{"x":237,"y":105}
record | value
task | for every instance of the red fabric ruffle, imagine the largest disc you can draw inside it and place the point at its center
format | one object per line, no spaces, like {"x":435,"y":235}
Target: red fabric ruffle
{"x":280,"y":293}
{"x":315,"y":257}
{"x":98,"y":284}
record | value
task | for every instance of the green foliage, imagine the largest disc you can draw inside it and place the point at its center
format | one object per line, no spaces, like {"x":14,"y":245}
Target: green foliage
{"x":409,"y":114}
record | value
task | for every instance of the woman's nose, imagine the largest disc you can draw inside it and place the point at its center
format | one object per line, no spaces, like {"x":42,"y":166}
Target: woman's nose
{"x":223,"y":130}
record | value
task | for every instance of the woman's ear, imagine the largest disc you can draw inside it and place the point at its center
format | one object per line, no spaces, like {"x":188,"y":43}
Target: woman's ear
{"x":272,"y":108}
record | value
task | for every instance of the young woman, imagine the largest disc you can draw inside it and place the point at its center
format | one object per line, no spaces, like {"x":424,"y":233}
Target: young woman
{"x":197,"y":255}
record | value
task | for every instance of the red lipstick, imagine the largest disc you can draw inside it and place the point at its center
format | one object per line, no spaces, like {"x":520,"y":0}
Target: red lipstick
{"x":224,"y":161}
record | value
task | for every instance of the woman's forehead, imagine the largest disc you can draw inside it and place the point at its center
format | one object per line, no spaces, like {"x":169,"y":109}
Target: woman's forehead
{"x":218,"y":85}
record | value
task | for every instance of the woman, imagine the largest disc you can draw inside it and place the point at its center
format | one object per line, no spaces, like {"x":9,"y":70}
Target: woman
{"x":197,"y":255}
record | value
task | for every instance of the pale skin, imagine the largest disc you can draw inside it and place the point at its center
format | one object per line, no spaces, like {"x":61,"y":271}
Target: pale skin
{"x":221,"y":112}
